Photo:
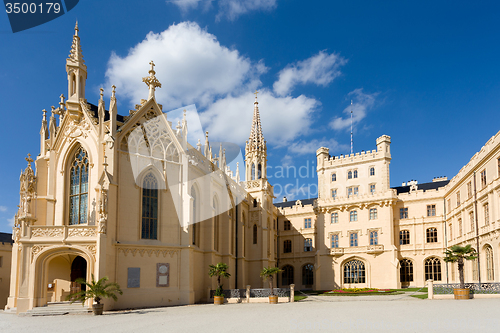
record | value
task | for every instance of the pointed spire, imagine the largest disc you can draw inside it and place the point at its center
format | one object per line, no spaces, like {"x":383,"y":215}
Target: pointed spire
{"x":76,"y":49}
{"x":237,"y":172}
{"x":52,"y":127}
{"x":206,"y":145}
{"x":256,"y":139}
{"x":113,"y":112}
{"x":223,"y":160}
{"x":151,"y":81}
{"x":44,"y":133}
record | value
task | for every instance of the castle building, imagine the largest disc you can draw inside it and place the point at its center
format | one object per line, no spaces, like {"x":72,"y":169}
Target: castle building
{"x":128,"y":197}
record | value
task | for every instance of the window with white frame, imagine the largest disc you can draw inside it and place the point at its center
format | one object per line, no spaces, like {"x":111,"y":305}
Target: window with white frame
{"x":374,"y":237}
{"x":308,"y":243}
{"x":431,"y":210}
{"x":335,"y":217}
{"x":353,"y":239}
{"x":432,"y":235}
{"x":483,"y":178}
{"x":373,"y":214}
{"x":335,"y":241}
{"x":355,"y":190}
{"x":486,"y":214}
{"x":372,"y":171}
{"x":372,"y":188}
{"x":355,"y":174}
{"x":307,"y":223}
{"x":349,"y":174}
{"x":353,"y":216}
{"x":334,"y":193}
{"x":349,"y":192}
{"x":404,"y":237}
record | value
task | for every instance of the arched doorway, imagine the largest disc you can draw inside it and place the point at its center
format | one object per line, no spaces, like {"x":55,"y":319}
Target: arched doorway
{"x":78,"y":270}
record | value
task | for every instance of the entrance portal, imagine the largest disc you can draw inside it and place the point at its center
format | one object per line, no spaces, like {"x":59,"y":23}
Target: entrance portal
{"x":78,"y":270}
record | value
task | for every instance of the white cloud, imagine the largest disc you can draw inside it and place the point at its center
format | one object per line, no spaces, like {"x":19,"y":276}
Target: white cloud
{"x":191,"y":65}
{"x":320,"y":69}
{"x":231,"y":9}
{"x":286,"y":161}
{"x":3,"y":209}
{"x":309,"y":147}
{"x":283,"y":118}
{"x":361,"y":104}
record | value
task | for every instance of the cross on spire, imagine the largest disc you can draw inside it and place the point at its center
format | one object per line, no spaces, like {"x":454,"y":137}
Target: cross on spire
{"x":29,"y":159}
{"x":151,"y":81}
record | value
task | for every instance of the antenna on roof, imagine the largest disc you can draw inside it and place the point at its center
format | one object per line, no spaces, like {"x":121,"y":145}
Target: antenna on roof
{"x":351,"y":129}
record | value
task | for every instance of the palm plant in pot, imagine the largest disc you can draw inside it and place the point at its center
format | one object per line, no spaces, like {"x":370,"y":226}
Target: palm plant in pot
{"x":268,"y":274}
{"x":458,"y":254}
{"x":219,"y":270}
{"x":96,"y":290}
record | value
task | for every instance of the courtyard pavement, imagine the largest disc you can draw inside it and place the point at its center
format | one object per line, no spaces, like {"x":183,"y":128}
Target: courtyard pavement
{"x":317,"y":314}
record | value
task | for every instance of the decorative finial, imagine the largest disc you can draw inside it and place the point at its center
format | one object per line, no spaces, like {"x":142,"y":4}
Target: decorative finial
{"x":76,"y":28}
{"x":61,"y":102}
{"x":52,"y":109}
{"x":151,"y":81}
{"x":29,"y":159}
{"x":44,"y":114}
{"x":255,"y":93}
{"x":102,"y":93}
{"x":113,"y":91}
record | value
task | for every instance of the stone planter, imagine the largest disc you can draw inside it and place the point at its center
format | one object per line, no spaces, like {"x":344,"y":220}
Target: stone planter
{"x":218,"y":300}
{"x":461,"y":293}
{"x":273,"y":299}
{"x":97,"y":309}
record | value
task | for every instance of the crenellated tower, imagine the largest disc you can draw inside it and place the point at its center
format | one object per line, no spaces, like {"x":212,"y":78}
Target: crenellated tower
{"x":256,"y":149}
{"x":77,"y":76}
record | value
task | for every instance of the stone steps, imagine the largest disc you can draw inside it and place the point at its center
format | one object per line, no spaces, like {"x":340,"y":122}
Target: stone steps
{"x":57,"y":309}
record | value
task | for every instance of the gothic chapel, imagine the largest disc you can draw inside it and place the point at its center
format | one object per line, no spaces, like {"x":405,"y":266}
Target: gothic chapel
{"x":129,"y":198}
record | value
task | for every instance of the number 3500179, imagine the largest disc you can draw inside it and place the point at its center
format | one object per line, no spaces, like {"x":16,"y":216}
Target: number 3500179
{"x":25,"y":8}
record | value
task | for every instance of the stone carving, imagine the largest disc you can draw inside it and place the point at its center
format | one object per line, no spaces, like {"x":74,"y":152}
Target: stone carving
{"x":254,"y":216}
{"x":149,"y":252}
{"x":81,"y":232}
{"x":27,"y":190}
{"x":47,"y":232}
{"x":103,"y":209}
{"x":35,"y":249}
{"x":92,"y":249}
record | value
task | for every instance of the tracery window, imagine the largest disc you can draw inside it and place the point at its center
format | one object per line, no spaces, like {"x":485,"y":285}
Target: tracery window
{"x":253,"y":171}
{"x":490,"y":272}
{"x":308,"y":275}
{"x":354,"y":272}
{"x":433,"y":269}
{"x":287,"y":275}
{"x":405,"y":270}
{"x":79,"y":188}
{"x":432,"y":235}
{"x":149,"y":228}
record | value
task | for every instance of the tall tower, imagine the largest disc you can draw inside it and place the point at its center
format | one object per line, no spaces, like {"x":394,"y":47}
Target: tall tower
{"x":77,"y":76}
{"x":256,"y":150}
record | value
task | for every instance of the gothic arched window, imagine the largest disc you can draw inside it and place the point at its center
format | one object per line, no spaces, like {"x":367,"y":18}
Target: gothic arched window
{"x":287,"y":275}
{"x":354,"y":272}
{"x":259,"y":171}
{"x":433,"y":269}
{"x":308,"y":275}
{"x":149,"y":207}
{"x":253,"y":171}
{"x":79,"y":188}
{"x":490,"y":273}
{"x":405,"y":270}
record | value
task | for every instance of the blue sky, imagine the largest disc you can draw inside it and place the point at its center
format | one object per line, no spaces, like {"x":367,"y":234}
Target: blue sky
{"x":426,"y":73}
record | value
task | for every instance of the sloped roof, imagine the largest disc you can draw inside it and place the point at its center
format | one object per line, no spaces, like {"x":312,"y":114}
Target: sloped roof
{"x":6,"y":238}
{"x":292,"y":203}
{"x":423,"y":186}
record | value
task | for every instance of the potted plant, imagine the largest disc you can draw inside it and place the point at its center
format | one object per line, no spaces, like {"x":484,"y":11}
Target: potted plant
{"x":219,"y":270}
{"x":268,"y":274}
{"x":96,"y":290}
{"x":458,"y":253}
